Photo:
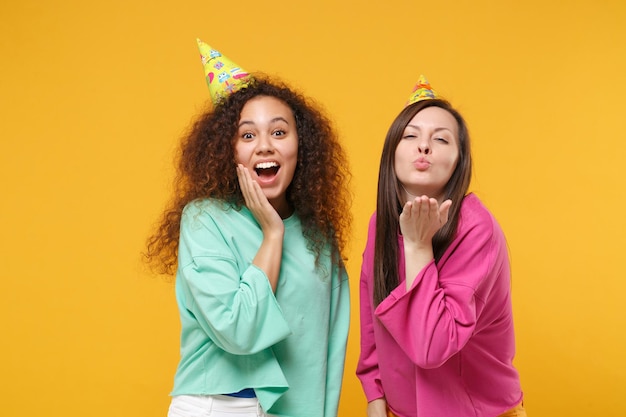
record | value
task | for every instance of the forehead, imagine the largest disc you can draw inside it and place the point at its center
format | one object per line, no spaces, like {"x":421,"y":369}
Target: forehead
{"x":266,"y":106}
{"x":435,"y":118}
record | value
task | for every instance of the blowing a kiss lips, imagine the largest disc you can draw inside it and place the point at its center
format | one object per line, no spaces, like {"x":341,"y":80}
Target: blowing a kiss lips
{"x":421,"y":164}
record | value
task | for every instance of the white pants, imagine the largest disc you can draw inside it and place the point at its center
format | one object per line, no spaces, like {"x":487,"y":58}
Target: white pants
{"x":215,"y":406}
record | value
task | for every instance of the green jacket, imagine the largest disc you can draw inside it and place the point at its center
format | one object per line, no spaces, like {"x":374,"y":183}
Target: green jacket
{"x":236,"y":333}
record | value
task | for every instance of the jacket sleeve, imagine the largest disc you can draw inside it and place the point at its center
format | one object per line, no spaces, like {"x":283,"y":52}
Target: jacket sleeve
{"x":437,"y":316}
{"x":339,"y":322}
{"x":367,"y":368}
{"x":233,"y":304}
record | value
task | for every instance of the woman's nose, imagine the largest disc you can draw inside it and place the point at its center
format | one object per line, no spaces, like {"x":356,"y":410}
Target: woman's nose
{"x":264,"y":144}
{"x":423,"y":147}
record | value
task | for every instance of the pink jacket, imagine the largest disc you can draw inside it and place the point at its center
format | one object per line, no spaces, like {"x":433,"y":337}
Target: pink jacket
{"x":445,"y":347}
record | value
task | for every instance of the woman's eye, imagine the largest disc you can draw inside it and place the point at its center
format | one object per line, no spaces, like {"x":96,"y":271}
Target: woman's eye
{"x":409,"y":136}
{"x":247,"y":136}
{"x":442,"y":140}
{"x":279,"y":133}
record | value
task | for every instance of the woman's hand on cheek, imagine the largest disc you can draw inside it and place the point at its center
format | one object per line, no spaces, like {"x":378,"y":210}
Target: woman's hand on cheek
{"x":257,"y":202}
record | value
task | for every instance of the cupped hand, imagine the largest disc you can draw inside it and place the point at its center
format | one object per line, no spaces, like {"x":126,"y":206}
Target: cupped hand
{"x":421,"y":218}
{"x":256,"y":201}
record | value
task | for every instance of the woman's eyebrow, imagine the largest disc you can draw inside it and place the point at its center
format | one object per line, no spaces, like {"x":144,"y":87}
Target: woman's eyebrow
{"x":250,"y":122}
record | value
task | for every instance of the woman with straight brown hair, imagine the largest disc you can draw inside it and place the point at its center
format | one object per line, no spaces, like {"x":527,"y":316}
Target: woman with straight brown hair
{"x":437,"y":336}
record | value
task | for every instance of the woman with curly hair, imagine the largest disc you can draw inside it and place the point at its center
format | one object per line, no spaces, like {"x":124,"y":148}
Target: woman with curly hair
{"x":255,"y":235}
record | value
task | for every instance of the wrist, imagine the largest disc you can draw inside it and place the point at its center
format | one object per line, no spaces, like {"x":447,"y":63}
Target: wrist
{"x":418,"y":245}
{"x":274,"y":234}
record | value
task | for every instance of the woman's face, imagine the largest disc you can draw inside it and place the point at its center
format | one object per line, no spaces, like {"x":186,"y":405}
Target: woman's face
{"x":266,"y":143}
{"x":427,"y":153}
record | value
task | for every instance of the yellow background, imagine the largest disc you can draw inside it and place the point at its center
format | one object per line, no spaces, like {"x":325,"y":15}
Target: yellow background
{"x":95,"y":95}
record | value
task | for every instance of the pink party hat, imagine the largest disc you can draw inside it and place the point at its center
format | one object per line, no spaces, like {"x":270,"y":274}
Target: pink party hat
{"x":422,"y":91}
{"x":223,"y":76}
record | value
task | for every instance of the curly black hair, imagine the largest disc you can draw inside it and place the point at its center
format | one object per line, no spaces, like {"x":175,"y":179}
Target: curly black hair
{"x":207,"y":168}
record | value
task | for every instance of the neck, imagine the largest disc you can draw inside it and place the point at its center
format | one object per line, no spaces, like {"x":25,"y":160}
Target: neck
{"x":283,"y":208}
{"x":407,"y":192}
{"x":410,"y":196}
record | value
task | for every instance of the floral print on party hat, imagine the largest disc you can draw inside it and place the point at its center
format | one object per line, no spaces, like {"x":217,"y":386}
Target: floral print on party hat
{"x":422,"y":91}
{"x":222,"y":75}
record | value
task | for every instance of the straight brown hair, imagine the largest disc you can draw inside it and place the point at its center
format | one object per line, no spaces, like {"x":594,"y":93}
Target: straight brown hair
{"x":390,"y":201}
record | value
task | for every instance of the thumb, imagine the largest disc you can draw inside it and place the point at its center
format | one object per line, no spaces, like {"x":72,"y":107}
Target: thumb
{"x":444,"y":210}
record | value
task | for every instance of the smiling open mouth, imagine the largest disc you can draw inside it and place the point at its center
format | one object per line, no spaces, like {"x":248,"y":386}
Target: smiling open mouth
{"x":266,"y":169}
